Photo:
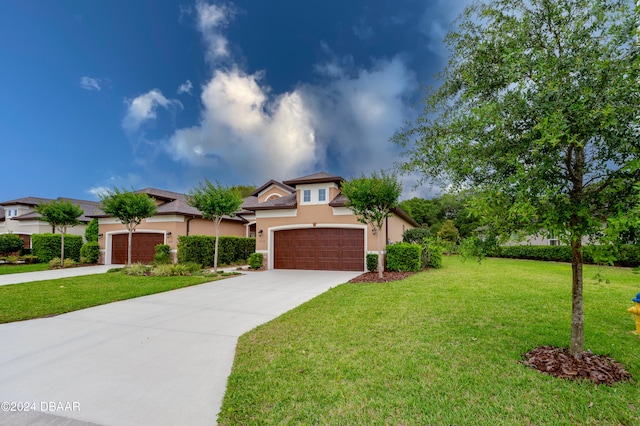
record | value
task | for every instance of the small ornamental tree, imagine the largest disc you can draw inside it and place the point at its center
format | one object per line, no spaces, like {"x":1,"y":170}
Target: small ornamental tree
{"x":130,"y":208}
{"x":372,"y":200}
{"x":215,"y":202}
{"x":60,"y":215}
{"x":448,"y":232}
{"x":539,"y":112}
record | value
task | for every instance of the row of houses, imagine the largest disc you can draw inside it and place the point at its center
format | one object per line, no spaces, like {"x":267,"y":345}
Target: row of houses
{"x":302,"y":223}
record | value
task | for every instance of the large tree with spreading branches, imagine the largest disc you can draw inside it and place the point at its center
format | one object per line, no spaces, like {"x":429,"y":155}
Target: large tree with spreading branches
{"x":539,"y":110}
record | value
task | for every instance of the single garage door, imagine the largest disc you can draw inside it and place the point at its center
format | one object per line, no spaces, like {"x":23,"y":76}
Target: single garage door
{"x":333,"y":249}
{"x":143,"y":247}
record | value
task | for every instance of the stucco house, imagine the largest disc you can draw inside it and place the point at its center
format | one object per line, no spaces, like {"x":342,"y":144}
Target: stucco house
{"x":174,"y":218}
{"x":303,"y":223}
{"x":19,"y":217}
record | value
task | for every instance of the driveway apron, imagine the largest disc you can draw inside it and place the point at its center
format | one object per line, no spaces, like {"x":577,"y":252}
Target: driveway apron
{"x":156,"y":360}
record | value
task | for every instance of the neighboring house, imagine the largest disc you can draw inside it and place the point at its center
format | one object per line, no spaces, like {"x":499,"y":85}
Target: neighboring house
{"x":19,"y":217}
{"x":174,"y":218}
{"x":304,"y":223}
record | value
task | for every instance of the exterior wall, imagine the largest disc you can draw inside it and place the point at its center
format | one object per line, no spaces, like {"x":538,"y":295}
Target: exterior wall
{"x":227,"y":228}
{"x":172,"y":226}
{"x":321,"y":216}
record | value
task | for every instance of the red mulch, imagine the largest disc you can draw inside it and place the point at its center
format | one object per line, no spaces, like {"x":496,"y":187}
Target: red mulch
{"x":558,"y":362}
{"x":372,"y":277}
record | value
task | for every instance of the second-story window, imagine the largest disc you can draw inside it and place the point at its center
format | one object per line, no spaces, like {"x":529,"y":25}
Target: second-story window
{"x":306,"y":196}
{"x":322,"y":194}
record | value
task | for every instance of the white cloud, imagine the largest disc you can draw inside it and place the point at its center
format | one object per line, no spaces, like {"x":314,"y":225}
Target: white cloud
{"x":242,"y":126}
{"x":97,"y":191}
{"x":143,"y":108}
{"x":89,"y":83}
{"x":210,"y":19}
{"x":185,"y":87}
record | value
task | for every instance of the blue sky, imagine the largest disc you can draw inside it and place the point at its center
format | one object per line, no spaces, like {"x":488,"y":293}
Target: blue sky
{"x":134,"y":94}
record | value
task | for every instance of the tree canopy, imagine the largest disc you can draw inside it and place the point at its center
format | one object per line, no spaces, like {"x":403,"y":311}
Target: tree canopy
{"x":538,"y":112}
{"x":372,"y":200}
{"x":130,"y":208}
{"x":61,"y":215}
{"x":215,"y":202}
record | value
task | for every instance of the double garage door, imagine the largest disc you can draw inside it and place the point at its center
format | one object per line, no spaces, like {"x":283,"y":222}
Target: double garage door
{"x":333,"y":249}
{"x":143,"y":247}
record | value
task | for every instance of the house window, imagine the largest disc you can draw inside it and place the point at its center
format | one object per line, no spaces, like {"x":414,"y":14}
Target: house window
{"x":306,"y":196}
{"x":322,"y":194}
{"x":553,"y":240}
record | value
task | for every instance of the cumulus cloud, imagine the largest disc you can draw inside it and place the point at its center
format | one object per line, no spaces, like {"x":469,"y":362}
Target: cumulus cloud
{"x":211,"y":18}
{"x":143,"y":108}
{"x":185,"y":87}
{"x":431,"y":24}
{"x":241,"y":124}
{"x":89,"y":83}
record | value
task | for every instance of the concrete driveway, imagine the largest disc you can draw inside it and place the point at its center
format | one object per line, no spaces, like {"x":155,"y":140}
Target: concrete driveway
{"x":157,"y":360}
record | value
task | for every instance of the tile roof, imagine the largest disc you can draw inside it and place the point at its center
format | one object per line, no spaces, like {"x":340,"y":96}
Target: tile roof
{"x":89,"y":208}
{"x":273,"y":182}
{"x":341,"y":201}
{"x":27,"y":201}
{"x":319,"y":177}
{"x":287,"y":202}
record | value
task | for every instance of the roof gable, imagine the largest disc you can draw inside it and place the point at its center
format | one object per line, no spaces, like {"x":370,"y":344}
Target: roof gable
{"x":320,"y":177}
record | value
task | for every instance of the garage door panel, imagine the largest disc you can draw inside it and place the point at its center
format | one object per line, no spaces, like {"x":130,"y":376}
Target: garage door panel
{"x":319,"y":249}
{"x":143,"y":247}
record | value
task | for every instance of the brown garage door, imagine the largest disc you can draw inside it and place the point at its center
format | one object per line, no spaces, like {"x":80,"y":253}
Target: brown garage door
{"x":143,"y":247}
{"x":319,"y":248}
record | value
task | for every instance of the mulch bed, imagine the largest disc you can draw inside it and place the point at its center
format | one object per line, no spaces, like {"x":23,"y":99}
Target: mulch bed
{"x":372,"y":277}
{"x":558,"y":362}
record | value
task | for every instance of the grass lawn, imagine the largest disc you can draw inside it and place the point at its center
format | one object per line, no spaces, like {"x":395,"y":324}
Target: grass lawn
{"x":16,"y":269}
{"x":439,"y":348}
{"x":53,"y":297}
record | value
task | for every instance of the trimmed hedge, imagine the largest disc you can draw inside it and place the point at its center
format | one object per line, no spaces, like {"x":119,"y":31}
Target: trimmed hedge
{"x":47,"y":246}
{"x":90,"y":252}
{"x":372,"y":262}
{"x":201,"y":249}
{"x":628,"y":255}
{"x":404,"y":257}
{"x":10,"y":243}
{"x":431,"y":254}
{"x":162,"y":255}
{"x":256,"y":260}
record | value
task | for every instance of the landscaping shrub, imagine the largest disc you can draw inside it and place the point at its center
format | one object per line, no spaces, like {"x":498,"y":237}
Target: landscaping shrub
{"x":11,"y":259}
{"x":628,"y":255}
{"x":55,"y":263}
{"x":415,"y":235}
{"x":431,"y":254}
{"x":201,"y":249}
{"x":162,"y":255}
{"x":47,"y":246}
{"x":91,"y":233}
{"x":137,"y":269}
{"x":69,"y":262}
{"x":29,"y":259}
{"x":372,"y":262}
{"x":10,"y":243}
{"x":25,"y":251}
{"x":404,"y":257}
{"x":193,"y":267}
{"x":255,"y":260}
{"x":90,"y":252}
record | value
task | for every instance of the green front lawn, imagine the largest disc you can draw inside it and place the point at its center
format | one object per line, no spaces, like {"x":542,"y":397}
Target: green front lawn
{"x":439,"y":348}
{"x":44,"y":298}
{"x":17,"y":269}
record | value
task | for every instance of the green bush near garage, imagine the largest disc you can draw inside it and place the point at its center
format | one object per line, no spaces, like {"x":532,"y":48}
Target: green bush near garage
{"x":90,"y":252}
{"x":201,"y":249}
{"x":47,"y":246}
{"x":404,"y":257}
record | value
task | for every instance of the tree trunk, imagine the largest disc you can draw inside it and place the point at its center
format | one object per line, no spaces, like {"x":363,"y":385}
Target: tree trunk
{"x":129,"y":247}
{"x":215,"y":253}
{"x":62,"y":251}
{"x":380,"y":261}
{"x":577,"y":312}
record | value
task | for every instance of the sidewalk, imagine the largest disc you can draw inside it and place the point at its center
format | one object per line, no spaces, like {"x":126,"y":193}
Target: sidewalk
{"x":54,"y":274}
